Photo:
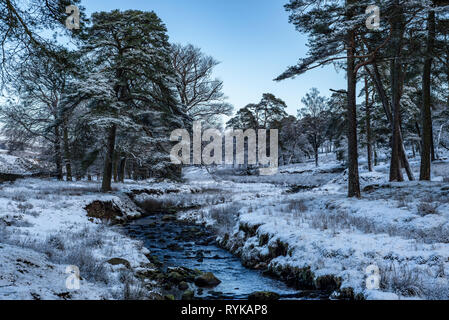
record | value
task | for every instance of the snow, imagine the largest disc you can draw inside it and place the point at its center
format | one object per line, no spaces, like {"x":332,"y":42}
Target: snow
{"x":379,"y":295}
{"x":16,"y":165}
{"x":340,"y":236}
{"x":39,"y":217}
{"x":401,"y":228}
{"x":27,"y":274}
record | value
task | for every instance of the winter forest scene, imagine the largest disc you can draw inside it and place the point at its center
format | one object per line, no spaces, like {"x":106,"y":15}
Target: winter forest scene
{"x":257,"y":150}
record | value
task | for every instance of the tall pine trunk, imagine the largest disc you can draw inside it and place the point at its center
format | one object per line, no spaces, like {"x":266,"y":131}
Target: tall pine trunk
{"x":115,"y":166}
{"x":107,"y":171}
{"x":121,"y":173}
{"x":395,"y":165}
{"x":396,"y":78}
{"x":426,"y":111}
{"x":58,"y":154}
{"x":369,"y":147}
{"x":353,"y":165}
{"x":67,"y":157}
{"x":316,"y":150}
{"x":387,"y":109}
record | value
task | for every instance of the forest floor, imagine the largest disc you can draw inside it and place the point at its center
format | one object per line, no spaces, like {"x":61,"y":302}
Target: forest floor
{"x":297,"y":225}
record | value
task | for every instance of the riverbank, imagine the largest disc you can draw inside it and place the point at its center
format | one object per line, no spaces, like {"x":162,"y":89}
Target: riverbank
{"x":316,"y":238}
{"x":44,"y":228}
{"x":47,"y":226}
{"x":191,"y":264}
{"x":297,"y":226}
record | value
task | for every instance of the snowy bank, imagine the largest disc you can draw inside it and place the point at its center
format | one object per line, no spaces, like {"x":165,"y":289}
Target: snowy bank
{"x":44,"y":228}
{"x":319,"y":239}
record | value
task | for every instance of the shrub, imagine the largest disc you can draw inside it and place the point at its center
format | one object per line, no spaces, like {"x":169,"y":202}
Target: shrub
{"x":427,"y":207}
{"x":225,"y":216}
{"x":153,"y":205}
{"x":54,"y":241}
{"x":297,"y":205}
{"x":90,"y":267}
{"x":132,"y":288}
{"x":20,"y":197}
{"x":401,"y":280}
{"x":72,"y":249}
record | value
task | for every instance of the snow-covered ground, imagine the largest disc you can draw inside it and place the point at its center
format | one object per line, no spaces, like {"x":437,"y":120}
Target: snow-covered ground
{"x":297,"y":224}
{"x":44,"y":229}
{"x":16,"y":165}
{"x":399,"y":229}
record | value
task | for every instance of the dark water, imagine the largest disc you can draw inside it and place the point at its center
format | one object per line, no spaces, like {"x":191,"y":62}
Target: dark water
{"x":178,"y":244}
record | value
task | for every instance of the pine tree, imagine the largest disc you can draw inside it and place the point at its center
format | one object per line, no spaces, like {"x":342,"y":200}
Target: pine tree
{"x":20,"y":26}
{"x":332,"y":28}
{"x":260,"y":115}
{"x":244,"y":118}
{"x":130,"y":86}
{"x":428,"y":151}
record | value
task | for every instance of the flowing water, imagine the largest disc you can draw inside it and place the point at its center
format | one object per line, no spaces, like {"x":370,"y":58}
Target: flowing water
{"x":178,"y":244}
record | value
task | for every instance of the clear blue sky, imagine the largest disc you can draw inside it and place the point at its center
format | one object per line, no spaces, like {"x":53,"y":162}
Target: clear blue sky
{"x":251,"y":38}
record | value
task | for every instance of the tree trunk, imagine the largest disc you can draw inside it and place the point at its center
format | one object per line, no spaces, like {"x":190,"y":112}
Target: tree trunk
{"x":425,"y":173}
{"x":395,"y":166}
{"x":418,"y":131}
{"x":58,"y":157}
{"x":122,"y":170}
{"x":404,"y":159}
{"x":368,"y":127}
{"x":433,"y":155}
{"x":107,"y":171}
{"x":115,"y":166}
{"x":67,"y":157}
{"x":375,"y":155}
{"x":387,"y":109}
{"x":130,"y":170}
{"x":353,"y":165}
{"x":381,"y":91}
{"x":440,"y":132}
{"x":396,"y":77}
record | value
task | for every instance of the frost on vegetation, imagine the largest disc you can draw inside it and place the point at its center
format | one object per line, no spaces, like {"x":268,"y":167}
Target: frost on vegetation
{"x":410,"y":282}
{"x":45,"y":221}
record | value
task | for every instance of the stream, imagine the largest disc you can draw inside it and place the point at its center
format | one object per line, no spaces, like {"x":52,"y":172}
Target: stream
{"x":179,"y":244}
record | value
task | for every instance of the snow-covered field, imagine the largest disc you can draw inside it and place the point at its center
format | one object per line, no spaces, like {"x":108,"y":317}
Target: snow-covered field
{"x":283,"y":224}
{"x":44,"y":229}
{"x":15,"y":165}
{"x":399,"y":229}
